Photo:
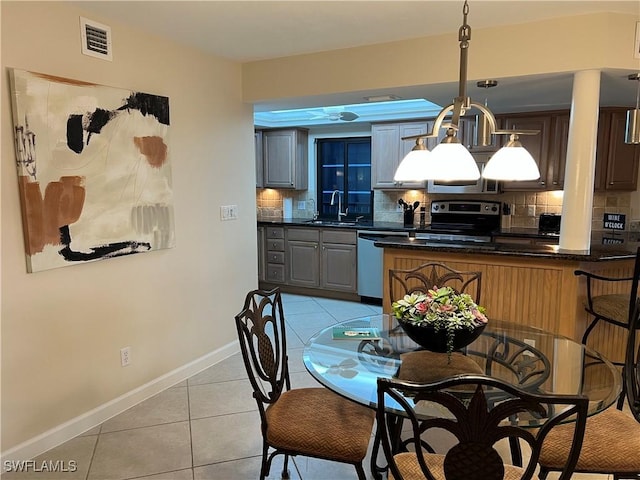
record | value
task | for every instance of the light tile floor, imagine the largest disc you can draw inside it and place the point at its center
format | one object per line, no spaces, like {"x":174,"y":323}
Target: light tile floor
{"x":207,"y":427}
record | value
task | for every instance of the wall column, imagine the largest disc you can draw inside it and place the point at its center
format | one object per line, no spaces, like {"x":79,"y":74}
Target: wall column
{"x":575,"y":229}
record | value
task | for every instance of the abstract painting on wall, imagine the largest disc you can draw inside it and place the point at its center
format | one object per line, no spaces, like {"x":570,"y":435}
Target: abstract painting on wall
{"x":93,"y":168}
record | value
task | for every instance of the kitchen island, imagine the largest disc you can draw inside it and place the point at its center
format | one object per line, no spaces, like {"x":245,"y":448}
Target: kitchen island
{"x":531,"y":284}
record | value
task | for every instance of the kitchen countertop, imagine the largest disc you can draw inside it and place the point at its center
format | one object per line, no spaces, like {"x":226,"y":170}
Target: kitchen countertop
{"x":597,"y":252}
{"x":360,"y":225}
{"x":602,"y":246}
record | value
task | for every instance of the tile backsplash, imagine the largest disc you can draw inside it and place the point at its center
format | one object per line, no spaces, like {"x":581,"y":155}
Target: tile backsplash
{"x":526,"y":207}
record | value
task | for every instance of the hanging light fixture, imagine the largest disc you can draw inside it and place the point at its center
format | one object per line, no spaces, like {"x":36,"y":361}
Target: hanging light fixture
{"x":632,"y":133}
{"x":450,"y":160}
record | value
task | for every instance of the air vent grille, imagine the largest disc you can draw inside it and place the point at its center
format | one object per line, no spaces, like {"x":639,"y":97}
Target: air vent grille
{"x":96,"y":39}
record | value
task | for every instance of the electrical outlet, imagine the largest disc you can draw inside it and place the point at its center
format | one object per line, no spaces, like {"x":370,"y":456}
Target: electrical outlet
{"x":634,"y":226}
{"x":125,"y":356}
{"x":302,"y":205}
{"x":531,"y":210}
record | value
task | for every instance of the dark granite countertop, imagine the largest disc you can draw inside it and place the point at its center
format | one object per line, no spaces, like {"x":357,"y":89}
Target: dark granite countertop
{"x":349,"y":224}
{"x":597,"y":252}
{"x":523,"y":232}
{"x":604,"y":245}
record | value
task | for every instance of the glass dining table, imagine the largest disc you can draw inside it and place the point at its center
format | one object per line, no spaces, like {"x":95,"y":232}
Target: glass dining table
{"x":529,"y":358}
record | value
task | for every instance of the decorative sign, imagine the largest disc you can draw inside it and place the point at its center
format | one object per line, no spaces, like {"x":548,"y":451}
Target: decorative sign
{"x":614,"y":221}
{"x":612,"y":241}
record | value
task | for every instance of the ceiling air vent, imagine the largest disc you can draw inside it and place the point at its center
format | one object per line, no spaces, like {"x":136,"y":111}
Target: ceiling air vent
{"x":96,"y":39}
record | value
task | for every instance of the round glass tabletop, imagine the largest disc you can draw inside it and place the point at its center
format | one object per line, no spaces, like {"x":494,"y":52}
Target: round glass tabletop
{"x":529,"y":358}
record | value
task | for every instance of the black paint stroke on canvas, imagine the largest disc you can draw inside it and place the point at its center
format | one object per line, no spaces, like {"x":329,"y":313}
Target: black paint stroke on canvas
{"x":110,"y":250}
{"x":93,"y":122}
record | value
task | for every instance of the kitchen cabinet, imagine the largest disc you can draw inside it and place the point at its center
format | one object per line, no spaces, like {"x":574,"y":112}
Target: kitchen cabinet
{"x":536,"y":145}
{"x":322,"y":258}
{"x":303,"y":257}
{"x":274,"y":253}
{"x":616,"y":162}
{"x":557,"y":158}
{"x":313,"y":259}
{"x":285,"y":163}
{"x":261,"y":255}
{"x":259,"y":159}
{"x":388,"y":149}
{"x":339,"y":257}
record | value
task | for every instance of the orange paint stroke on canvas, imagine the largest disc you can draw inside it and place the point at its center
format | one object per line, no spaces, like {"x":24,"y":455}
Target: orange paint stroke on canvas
{"x":62,"y":205}
{"x":153,"y":148}
{"x":68,"y":81}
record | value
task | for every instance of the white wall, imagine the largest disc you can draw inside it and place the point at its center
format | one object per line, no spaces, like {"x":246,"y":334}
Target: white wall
{"x":62,"y":329}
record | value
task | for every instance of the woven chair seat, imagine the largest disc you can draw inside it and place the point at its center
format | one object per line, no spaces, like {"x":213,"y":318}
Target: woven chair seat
{"x":611,"y":444}
{"x":615,"y":306}
{"x":426,"y":367}
{"x":410,"y":468}
{"x":320,"y":423}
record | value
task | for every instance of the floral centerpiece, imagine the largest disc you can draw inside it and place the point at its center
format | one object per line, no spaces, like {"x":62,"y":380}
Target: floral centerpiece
{"x":444,"y":311}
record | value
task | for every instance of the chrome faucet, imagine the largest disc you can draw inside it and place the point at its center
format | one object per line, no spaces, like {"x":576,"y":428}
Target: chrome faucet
{"x":333,"y":202}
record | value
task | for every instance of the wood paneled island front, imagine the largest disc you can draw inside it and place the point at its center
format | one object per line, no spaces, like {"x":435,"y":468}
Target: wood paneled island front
{"x":533,"y":285}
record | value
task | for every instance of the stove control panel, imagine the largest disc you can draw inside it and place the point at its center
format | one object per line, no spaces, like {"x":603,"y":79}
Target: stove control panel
{"x":469,"y":207}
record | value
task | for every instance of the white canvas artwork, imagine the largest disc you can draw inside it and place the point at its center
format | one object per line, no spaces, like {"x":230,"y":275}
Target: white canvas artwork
{"x":94,"y":170}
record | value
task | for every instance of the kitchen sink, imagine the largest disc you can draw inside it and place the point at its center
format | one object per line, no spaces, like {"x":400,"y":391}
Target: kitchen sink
{"x":331,"y":223}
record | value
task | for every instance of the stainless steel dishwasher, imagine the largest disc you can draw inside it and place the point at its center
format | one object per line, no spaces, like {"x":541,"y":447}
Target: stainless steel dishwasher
{"x":370,"y":262}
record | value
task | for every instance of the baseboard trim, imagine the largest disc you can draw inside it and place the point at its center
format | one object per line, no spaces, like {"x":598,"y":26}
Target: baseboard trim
{"x":76,"y":426}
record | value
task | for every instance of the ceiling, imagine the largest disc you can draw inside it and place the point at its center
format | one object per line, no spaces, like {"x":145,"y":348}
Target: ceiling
{"x":256,"y":30}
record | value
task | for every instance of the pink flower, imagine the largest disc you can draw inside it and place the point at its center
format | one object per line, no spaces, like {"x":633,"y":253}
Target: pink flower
{"x":445,"y":308}
{"x":479,"y":315}
{"x":422,"y":308}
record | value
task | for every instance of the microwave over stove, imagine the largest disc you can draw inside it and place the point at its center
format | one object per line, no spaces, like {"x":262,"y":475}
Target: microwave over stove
{"x":482,"y":185}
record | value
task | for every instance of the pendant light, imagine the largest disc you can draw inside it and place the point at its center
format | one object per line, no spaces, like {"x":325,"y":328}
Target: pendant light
{"x":511,"y":163}
{"x":451,"y":160}
{"x":632,"y":133}
{"x":415,"y":165}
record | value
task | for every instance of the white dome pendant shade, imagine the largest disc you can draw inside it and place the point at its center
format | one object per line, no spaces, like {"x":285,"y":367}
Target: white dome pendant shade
{"x":414,"y":167}
{"x":451,"y":161}
{"x":511,"y":163}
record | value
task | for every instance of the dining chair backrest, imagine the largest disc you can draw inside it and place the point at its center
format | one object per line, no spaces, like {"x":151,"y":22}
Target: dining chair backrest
{"x":464,"y":406}
{"x":426,"y":276}
{"x":616,"y":309}
{"x":632,"y":364}
{"x":527,"y":366}
{"x":261,"y":332}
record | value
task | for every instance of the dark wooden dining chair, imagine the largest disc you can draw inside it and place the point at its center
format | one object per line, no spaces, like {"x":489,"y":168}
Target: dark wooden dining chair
{"x":612,"y":438}
{"x":613,"y":308}
{"x":463,"y":406}
{"x":428,"y":275}
{"x":313,"y":422}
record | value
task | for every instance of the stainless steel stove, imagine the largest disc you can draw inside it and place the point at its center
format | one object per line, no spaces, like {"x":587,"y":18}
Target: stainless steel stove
{"x":462,"y":220}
